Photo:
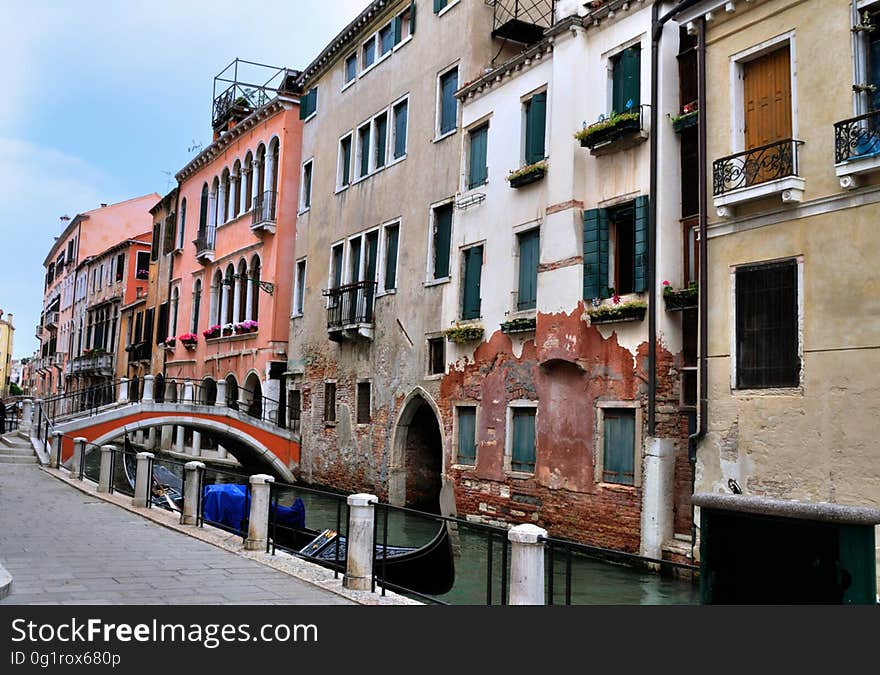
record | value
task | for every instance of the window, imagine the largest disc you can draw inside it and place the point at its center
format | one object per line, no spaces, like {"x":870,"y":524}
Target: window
{"x":363,"y":151}
{"x":162,"y":324}
{"x":478,"y":172}
{"x":70,"y":246}
{"x":308,"y":103}
{"x":405,"y":23}
{"x":440,"y":5}
{"x":351,"y":65}
{"x":203,"y":211}
{"x":344,"y":169}
{"x":380,"y":124}
{"x":299,"y":295}
{"x":306,"y":190}
{"x":120,"y":267}
{"x":392,"y":234}
{"x":399,"y":113}
{"x":616,"y":250}
{"x":363,"y":403}
{"x":295,"y":408}
{"x":336,"y":269}
{"x":369,"y":52}
{"x":196,"y":305}
{"x":618,"y":446}
{"x":522,"y":439}
{"x":467,"y":435}
{"x":386,"y":39}
{"x":330,"y":402}
{"x":625,"y":79}
{"x":441,"y":240}
{"x":529,"y":257}
{"x":447,"y":109}
{"x":170,"y":235}
{"x":182,"y":231}
{"x":473,"y":269}
{"x":142,"y":268}
{"x":154,"y":247}
{"x":535,"y":128}
{"x":767,"y":345}
{"x":436,"y":356}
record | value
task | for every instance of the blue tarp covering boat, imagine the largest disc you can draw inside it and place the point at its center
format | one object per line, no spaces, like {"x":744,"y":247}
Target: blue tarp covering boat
{"x":229,"y":505}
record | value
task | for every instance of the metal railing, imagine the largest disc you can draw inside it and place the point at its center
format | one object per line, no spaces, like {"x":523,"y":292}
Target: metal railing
{"x":753,"y":167}
{"x":350,"y":305}
{"x":857,"y":137}
{"x":204,"y":241}
{"x":93,"y":363}
{"x":264,"y":208}
{"x":522,"y":20}
{"x":10,"y":419}
{"x":139,"y":351}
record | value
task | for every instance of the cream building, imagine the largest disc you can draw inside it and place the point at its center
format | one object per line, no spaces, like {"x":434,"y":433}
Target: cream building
{"x":7,"y":335}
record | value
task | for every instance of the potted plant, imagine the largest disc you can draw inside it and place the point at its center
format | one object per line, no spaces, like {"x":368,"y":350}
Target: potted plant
{"x":527,"y":174}
{"x":211,"y":332}
{"x":461,"y":334}
{"x":228,"y":330}
{"x":618,"y":311}
{"x":608,"y":129}
{"x":249,"y":326}
{"x":170,"y":343}
{"x":680,"y":298}
{"x":521,"y":325}
{"x":189,"y":340}
{"x":689,"y":116}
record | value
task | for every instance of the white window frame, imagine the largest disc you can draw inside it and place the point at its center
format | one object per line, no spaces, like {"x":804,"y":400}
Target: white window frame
{"x":449,"y":6}
{"x":392,"y":131}
{"x":358,"y":151}
{"x":462,"y":269}
{"x":599,"y":450}
{"x":457,"y":405}
{"x":517,"y":231}
{"x":374,"y":38}
{"x":347,"y":83}
{"x":383,"y":254}
{"x":486,"y":121}
{"x":429,"y":266}
{"x":608,"y":57}
{"x":438,"y":104}
{"x":404,"y":39}
{"x":302,"y":186}
{"x":380,"y":56}
{"x":508,"y":436}
{"x":331,"y":269}
{"x":362,"y":260}
{"x":374,"y":141}
{"x":339,"y":162}
{"x":299,"y":287}
{"x":428,"y":338}
{"x":525,"y":103}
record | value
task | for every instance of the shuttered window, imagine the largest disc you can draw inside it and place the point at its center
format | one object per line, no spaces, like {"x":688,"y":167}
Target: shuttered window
{"x":619,"y":452}
{"x":364,"y":151}
{"x":473,"y":270}
{"x":329,"y":401}
{"x":345,"y":161}
{"x":400,"y":119}
{"x":595,"y":253}
{"x":363,"y":403}
{"x":439,"y":5}
{"x":523,"y":440}
{"x":529,"y":252}
{"x":467,"y":435}
{"x":308,"y":103}
{"x":626,"y":227}
{"x":381,"y":123}
{"x":369,"y":53}
{"x":640,"y":275}
{"x":300,"y":287}
{"x":203,"y":210}
{"x":536,"y":121}
{"x":351,"y":64}
{"x":386,"y":39}
{"x":442,"y":238}
{"x":436,"y":356}
{"x":626,"y":80}
{"x":767,"y":326}
{"x":392,"y":232}
{"x":162,"y":324}
{"x":478,"y":172}
{"x":307,"y":185}
{"x":448,"y":102}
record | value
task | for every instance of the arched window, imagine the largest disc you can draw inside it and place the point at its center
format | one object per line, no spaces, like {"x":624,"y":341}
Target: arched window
{"x":224,"y":197}
{"x":248,"y":183}
{"x":203,"y":211}
{"x":213,"y":217}
{"x":182,"y":228}
{"x":196,"y":305}
{"x":272,"y":173}
{"x":241,"y":289}
{"x":260,"y":186}
{"x":236,"y":192}
{"x":217,"y":299}
{"x":228,"y":290}
{"x":255,"y":288}
{"x":175,"y":301}
{"x":252,"y":395}
{"x":208,"y":394}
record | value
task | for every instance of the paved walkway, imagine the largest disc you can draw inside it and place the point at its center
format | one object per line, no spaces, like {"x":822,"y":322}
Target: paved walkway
{"x":63,"y":546}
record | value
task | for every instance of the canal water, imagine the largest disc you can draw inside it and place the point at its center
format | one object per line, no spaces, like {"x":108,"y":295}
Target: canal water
{"x":593,"y":581}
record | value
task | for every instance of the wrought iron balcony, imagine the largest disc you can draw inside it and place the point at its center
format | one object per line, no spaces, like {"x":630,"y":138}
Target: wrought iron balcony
{"x":857,"y":147}
{"x":51,"y":319}
{"x":92,"y":364}
{"x":204,"y":243}
{"x":522,"y":20}
{"x":263,"y":213}
{"x":350,"y":307}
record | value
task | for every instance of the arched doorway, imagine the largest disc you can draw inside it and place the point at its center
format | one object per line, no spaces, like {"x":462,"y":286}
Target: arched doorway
{"x":159,"y":388}
{"x":252,"y":394}
{"x":417,"y":456}
{"x":231,"y":392}
{"x":209,"y":392}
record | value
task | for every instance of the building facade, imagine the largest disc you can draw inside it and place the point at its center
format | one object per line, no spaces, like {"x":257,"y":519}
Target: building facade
{"x":7,"y":338}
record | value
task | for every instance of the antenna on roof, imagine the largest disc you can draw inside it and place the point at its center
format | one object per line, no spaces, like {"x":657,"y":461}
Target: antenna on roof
{"x":168,"y":182}
{"x":195,"y":147}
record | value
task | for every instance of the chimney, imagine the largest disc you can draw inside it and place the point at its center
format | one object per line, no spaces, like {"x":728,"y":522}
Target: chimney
{"x":103,"y":205}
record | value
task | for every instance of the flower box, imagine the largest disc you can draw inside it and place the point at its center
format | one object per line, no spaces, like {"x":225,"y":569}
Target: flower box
{"x":170,"y":343}
{"x":528,"y":174}
{"x":608,"y":131}
{"x":248,"y":326}
{"x":677,"y":299}
{"x":462,"y":334}
{"x":627,"y":311}
{"x":211,"y":332}
{"x":685,"y":120}
{"x":523,"y":325}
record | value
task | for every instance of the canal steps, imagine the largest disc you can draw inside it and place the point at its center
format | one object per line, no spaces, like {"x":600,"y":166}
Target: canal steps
{"x":16,"y":450}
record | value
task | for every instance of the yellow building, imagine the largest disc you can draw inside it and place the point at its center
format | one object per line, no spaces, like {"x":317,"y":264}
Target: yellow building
{"x":7,"y":333}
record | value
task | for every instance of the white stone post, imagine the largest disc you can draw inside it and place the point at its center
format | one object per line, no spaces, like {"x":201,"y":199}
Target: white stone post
{"x":143,"y":481}
{"x":27,"y":416}
{"x":236,"y":299}
{"x":234,"y":198}
{"x":258,"y":518}
{"x":147,"y":396}
{"x":197,"y":444}
{"x":221,"y":394}
{"x":123,"y":390}
{"x":35,"y":417}
{"x":180,"y":442}
{"x":191,"y":489}
{"x":104,"y":477}
{"x":221,"y":452}
{"x":222,"y":199}
{"x":139,"y":438}
{"x":657,"y":491}
{"x":55,"y":451}
{"x":79,"y":456}
{"x":165,"y":436}
{"x":359,"y":560}
{"x":188,"y":392}
{"x":151,"y":438}
{"x":526,"y":564}
{"x":224,"y":303}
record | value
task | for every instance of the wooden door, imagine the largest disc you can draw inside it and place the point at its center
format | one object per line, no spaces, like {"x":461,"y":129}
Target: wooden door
{"x":767,"y":98}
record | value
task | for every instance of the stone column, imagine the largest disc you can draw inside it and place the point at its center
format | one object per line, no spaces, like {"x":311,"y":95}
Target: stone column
{"x":359,"y":560}
{"x":197,"y":444}
{"x":236,"y":299}
{"x":165,"y":437}
{"x":179,"y":444}
{"x":123,"y":390}
{"x":27,"y":416}
{"x":36,"y":416}
{"x":657,"y":491}
{"x":55,"y":451}
{"x":222,"y":204}
{"x":257,"y":172}
{"x":143,"y":480}
{"x":258,"y":518}
{"x":79,"y":456}
{"x":234,"y":199}
{"x":221,"y":394}
{"x":188,"y":392}
{"x":147,"y":396}
{"x":104,"y":477}
{"x":192,"y":487}
{"x":224,"y":305}
{"x":139,"y":438}
{"x":526,"y":564}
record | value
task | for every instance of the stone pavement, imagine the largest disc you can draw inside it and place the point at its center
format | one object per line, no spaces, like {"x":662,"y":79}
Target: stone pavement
{"x":63,"y":546}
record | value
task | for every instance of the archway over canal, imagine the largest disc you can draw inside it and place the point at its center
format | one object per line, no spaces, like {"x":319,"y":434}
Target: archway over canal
{"x":416,"y":475}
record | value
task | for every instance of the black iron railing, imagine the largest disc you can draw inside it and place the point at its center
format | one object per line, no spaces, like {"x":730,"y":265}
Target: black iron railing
{"x":522,"y":20}
{"x":857,"y":137}
{"x":264,"y":208}
{"x":204,"y":241}
{"x":350,"y":305}
{"x":140,"y":351}
{"x":753,"y":167}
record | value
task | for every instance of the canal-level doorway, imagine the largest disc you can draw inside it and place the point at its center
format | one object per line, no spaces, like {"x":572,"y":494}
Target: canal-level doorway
{"x":416,"y":471}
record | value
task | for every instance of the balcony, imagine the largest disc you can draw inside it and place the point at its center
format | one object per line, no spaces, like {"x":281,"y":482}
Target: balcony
{"x":765,"y":171}
{"x":51,"y":320}
{"x":204,"y":243}
{"x":618,"y":132}
{"x":350,"y":310}
{"x":92,"y":364}
{"x":522,"y":21}
{"x":263,"y":213}
{"x":856,"y":148}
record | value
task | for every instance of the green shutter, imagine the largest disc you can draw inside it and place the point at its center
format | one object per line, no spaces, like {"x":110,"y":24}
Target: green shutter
{"x":304,"y":106}
{"x":619,"y":447}
{"x":439,"y":5}
{"x":448,"y":105}
{"x":478,"y":173}
{"x":856,"y":555}
{"x":473,"y":269}
{"x":364,"y":141}
{"x":391,"y":258}
{"x":523,"y":456}
{"x":400,"y":114}
{"x":595,"y":253}
{"x":536,"y":120}
{"x":631,"y":76}
{"x":381,"y":140}
{"x":467,"y":436}
{"x":412,"y":17}
{"x":337,"y":267}
{"x":528,"y":270}
{"x":640,"y":282}
{"x":346,"y":160}
{"x":442,"y":239}
{"x":398,"y":29}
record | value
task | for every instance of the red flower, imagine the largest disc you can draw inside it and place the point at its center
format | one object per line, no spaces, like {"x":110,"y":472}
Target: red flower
{"x":616,"y":299}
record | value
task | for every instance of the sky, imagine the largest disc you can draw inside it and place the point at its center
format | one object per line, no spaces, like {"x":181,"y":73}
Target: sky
{"x":102,"y":101}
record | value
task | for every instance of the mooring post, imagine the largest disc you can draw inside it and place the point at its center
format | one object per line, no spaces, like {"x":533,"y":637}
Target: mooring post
{"x":104,"y":477}
{"x":359,"y":560}
{"x":79,"y":456}
{"x":526,"y":564}
{"x":148,"y":389}
{"x":258,"y":518}
{"x":37,"y":412}
{"x":143,"y":479}
{"x":55,"y":451}
{"x":123,"y":390}
{"x":27,"y":416}
{"x":196,"y":448}
{"x":220,"y":402}
{"x":192,"y":472}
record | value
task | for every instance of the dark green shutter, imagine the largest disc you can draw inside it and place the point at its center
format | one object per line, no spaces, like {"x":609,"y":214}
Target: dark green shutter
{"x":467,"y":433}
{"x":448,"y":105}
{"x":381,"y":140}
{"x":303,"y":106}
{"x":473,"y":268}
{"x":439,"y":5}
{"x":626,"y":80}
{"x":640,"y":280}
{"x":346,"y":160}
{"x":412,"y":17}
{"x":372,"y":257}
{"x":400,"y":115}
{"x":398,"y":29}
{"x":856,"y":554}
{"x":536,"y":120}
{"x":337,"y":267}
{"x":523,"y":457}
{"x":528,"y":270}
{"x":619,"y":447}
{"x":391,"y":258}
{"x":478,"y":173}
{"x":162,"y":327}
{"x":203,"y":210}
{"x":308,"y":103}
{"x":442,"y":239}
{"x":595,"y":253}
{"x":364,"y":140}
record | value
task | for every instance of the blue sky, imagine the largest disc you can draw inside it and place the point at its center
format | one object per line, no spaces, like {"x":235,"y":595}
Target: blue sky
{"x":101,"y":98}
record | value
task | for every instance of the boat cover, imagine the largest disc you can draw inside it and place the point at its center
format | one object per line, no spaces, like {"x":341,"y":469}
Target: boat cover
{"x":229,"y":505}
